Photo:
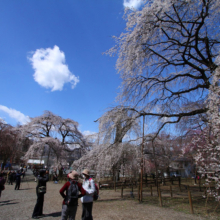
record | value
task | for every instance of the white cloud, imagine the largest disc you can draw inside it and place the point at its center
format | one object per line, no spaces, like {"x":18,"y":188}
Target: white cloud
{"x":88,"y":133}
{"x":132,"y":3}
{"x":18,"y":116}
{"x":50,"y":68}
{"x":90,"y":136}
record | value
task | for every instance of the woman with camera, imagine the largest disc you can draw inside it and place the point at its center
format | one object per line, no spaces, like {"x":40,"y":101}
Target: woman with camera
{"x":40,"y":190}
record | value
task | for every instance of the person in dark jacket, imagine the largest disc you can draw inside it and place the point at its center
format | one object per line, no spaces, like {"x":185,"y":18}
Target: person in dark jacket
{"x":2,"y":183}
{"x":40,"y":190}
{"x":10,"y":178}
{"x":18,"y":180}
{"x":13,"y":176}
{"x":23,"y":174}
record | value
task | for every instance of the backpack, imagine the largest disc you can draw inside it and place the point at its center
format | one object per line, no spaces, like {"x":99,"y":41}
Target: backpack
{"x":96,"y":193}
{"x":72,"y":194}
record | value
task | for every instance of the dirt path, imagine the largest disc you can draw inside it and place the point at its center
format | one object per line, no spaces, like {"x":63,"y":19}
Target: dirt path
{"x":19,"y":205}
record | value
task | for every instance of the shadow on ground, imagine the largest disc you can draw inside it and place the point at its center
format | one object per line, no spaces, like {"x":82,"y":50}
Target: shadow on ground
{"x":54,"y":214}
{"x":7,"y":202}
{"x":26,"y":189}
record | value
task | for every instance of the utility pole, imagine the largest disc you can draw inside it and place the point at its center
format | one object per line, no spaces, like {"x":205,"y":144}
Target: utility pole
{"x":142,"y":163}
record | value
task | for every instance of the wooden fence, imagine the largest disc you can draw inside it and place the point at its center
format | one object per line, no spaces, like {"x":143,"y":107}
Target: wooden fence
{"x":162,"y":188}
{"x":134,"y":183}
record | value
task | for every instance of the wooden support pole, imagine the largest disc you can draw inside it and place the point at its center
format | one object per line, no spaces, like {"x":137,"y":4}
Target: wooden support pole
{"x":160,"y":198}
{"x":151,"y":191}
{"x":158,"y":186}
{"x":179,"y":183}
{"x":131,"y":192}
{"x":190,"y":201}
{"x":179,"y":179}
{"x":205,"y":192}
{"x":122,"y":191}
{"x":142,"y":164}
{"x":114,"y":186}
{"x":171,"y":192}
{"x":139,"y":192}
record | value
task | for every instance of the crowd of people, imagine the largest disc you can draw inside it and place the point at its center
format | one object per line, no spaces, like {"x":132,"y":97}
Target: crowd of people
{"x":12,"y":176}
{"x":71,"y":191}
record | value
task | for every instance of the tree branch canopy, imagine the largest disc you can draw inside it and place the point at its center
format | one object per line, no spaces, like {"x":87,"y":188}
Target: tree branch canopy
{"x":167,"y":57}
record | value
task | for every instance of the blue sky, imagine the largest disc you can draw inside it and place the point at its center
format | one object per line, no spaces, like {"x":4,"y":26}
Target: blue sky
{"x":51,"y":58}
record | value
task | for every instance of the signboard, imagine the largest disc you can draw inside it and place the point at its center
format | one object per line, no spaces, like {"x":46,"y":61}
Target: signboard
{"x":32,"y":161}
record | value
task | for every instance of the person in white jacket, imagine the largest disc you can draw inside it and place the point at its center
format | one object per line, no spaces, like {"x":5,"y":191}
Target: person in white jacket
{"x":87,"y":200}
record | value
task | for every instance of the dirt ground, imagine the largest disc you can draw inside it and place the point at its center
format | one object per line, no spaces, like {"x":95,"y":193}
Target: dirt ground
{"x":19,"y":205}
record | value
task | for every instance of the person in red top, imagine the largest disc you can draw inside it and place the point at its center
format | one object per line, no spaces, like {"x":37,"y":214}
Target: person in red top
{"x":69,"y":208}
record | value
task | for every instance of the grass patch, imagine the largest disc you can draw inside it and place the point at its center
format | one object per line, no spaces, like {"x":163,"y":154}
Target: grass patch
{"x":179,"y":201}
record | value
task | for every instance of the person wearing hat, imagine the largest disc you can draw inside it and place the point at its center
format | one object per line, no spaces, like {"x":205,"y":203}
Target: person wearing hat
{"x":87,"y":200}
{"x":69,"y":207}
{"x":40,"y":190}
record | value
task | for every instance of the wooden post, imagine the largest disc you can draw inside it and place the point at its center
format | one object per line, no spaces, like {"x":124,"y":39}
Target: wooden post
{"x":179,"y":183}
{"x":171,"y":192}
{"x":131,"y":192}
{"x":158,"y":186}
{"x":139,"y":191}
{"x":122,"y":191}
{"x":151,"y":191}
{"x":114,"y":186}
{"x":179,"y":179}
{"x":160,"y":198}
{"x":200,"y":185}
{"x":190,"y":201}
{"x":205,"y":192}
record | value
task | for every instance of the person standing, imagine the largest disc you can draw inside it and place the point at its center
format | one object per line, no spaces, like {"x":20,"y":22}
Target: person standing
{"x":2,"y":166}
{"x":10,"y":178}
{"x":13,"y":176}
{"x":55,"y":177}
{"x":87,"y":200}
{"x":7,"y":178}
{"x":70,"y":202}
{"x":40,"y":191}
{"x":18,"y":180}
{"x":36,"y":173}
{"x":23,"y":174}
{"x":2,"y":183}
